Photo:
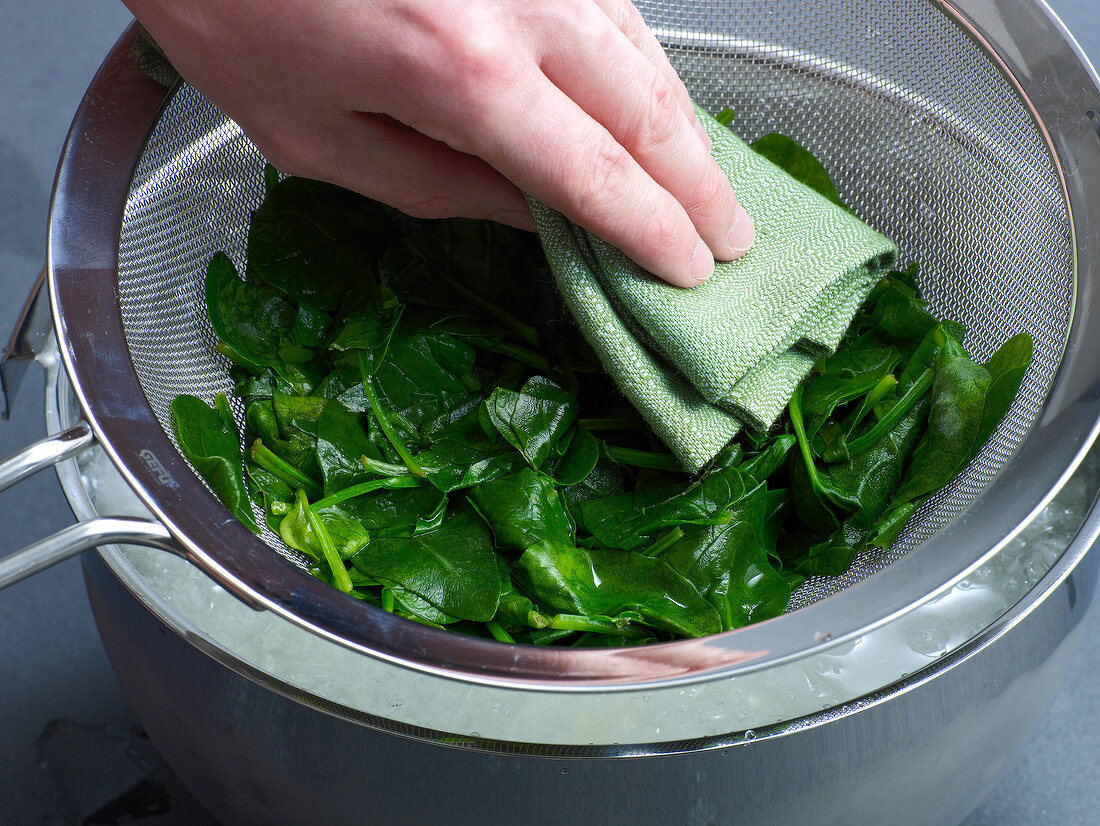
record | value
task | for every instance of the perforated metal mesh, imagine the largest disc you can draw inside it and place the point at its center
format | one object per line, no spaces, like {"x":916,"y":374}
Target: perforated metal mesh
{"x":925,"y":138}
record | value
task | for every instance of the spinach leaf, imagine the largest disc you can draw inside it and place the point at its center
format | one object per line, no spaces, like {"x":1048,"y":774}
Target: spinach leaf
{"x":523,"y":509}
{"x":341,"y":444}
{"x":256,"y":327}
{"x":346,"y":533}
{"x":860,"y":488}
{"x":968,"y":402}
{"x":317,"y":243}
{"x":625,"y":521}
{"x":423,"y":377}
{"x":208,"y":437}
{"x":368,"y":332}
{"x":394,"y":512}
{"x":614,"y":583}
{"x":730,"y":564}
{"x":536,"y":420}
{"x":453,"y":567}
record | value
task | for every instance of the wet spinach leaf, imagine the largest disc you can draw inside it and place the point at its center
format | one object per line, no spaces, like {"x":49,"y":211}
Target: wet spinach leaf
{"x":453,"y":567}
{"x":612,"y":584}
{"x":208,"y":437}
{"x":433,"y":436}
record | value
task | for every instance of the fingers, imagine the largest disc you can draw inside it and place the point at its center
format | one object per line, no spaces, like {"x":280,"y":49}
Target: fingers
{"x":625,"y":16}
{"x":647,"y":116}
{"x":390,"y":162}
{"x":572,"y":101}
{"x":552,"y":149}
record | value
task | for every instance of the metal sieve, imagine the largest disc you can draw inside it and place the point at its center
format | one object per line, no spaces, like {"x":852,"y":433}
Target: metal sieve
{"x":964,"y":132}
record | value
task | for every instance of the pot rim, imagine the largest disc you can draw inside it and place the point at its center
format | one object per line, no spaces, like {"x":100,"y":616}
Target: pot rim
{"x":116,"y":559}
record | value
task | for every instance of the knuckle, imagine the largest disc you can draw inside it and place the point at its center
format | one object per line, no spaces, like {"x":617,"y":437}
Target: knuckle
{"x":658,"y":125}
{"x":629,"y":21}
{"x":477,"y":63}
{"x":604,"y":183}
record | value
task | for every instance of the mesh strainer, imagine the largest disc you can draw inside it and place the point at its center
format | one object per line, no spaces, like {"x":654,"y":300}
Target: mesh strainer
{"x":930,"y":117}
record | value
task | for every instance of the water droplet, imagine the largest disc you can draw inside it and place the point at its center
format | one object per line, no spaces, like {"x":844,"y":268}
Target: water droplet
{"x":565,"y":771}
{"x":749,"y":734}
{"x":931,"y":641}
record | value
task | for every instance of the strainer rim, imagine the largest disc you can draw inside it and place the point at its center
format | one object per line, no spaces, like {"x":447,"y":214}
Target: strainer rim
{"x":86,"y":216}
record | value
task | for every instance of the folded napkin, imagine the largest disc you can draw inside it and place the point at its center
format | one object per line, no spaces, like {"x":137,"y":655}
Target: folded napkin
{"x":701,"y":363}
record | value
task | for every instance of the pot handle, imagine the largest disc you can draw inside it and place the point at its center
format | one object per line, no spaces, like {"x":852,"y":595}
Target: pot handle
{"x":82,"y":536}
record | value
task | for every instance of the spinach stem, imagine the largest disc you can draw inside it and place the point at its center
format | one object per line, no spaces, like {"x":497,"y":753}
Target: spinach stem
{"x":387,"y":600}
{"x":522,"y":355}
{"x":904,"y":405}
{"x":661,"y":543}
{"x":856,"y":417}
{"x":522,"y":329}
{"x":273,"y":463}
{"x":599,"y":625}
{"x":498,"y":632}
{"x":384,"y":422}
{"x":332,"y":556}
{"x":795,"y":409}
{"x":350,"y":492}
{"x":382,"y":468}
{"x":644,"y":458}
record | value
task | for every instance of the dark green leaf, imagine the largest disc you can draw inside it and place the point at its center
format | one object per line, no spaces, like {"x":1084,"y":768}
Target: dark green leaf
{"x":523,"y":509}
{"x":730,"y":564}
{"x":609,"y":583}
{"x":454,"y":567}
{"x":536,"y":420}
{"x":626,"y":521}
{"x":255,"y":326}
{"x":342,"y":442}
{"x":797,"y":162}
{"x":316,"y":242}
{"x":208,"y":437}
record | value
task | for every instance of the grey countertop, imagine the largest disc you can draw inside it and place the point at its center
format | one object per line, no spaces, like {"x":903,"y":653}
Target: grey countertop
{"x":58,"y":696}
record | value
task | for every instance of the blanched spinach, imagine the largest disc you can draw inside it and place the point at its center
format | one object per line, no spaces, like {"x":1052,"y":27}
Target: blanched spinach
{"x":429,"y":433}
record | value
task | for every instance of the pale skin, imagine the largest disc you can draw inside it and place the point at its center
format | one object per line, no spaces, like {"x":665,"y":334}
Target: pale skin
{"x":455,"y":107}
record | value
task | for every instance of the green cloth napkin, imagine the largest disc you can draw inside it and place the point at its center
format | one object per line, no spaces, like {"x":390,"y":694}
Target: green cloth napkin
{"x":699,"y":364}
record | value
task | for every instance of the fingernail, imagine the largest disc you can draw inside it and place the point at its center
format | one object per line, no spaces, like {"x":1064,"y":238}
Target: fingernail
{"x":702,"y":130}
{"x":742,"y":233}
{"x":702,"y":262}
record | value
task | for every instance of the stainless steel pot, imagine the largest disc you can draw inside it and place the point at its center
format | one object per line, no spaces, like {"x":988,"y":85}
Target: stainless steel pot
{"x":901,"y":696}
{"x":267,"y":724}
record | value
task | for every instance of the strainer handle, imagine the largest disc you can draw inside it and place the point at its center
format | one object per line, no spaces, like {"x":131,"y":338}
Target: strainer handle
{"x":83,"y":536}
{"x":79,"y":537}
{"x":44,"y":454}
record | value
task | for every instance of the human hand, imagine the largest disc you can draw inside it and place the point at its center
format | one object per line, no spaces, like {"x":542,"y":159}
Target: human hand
{"x":454,"y":107}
